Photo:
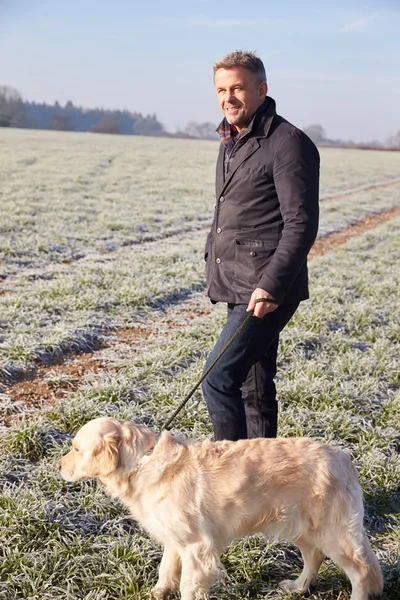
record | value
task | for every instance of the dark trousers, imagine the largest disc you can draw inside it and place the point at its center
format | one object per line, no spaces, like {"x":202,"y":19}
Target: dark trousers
{"x":240,"y":391}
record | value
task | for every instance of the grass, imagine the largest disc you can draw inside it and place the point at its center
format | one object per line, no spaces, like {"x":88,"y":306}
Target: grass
{"x":148,"y":203}
{"x":69,"y":196}
{"x":336,"y":383}
{"x":338,"y":378}
{"x":74,"y":305}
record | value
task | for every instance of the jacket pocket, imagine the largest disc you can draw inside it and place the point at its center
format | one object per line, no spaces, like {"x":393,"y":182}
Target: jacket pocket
{"x":251,"y":259}
{"x":207,"y":256}
{"x":207,"y":247}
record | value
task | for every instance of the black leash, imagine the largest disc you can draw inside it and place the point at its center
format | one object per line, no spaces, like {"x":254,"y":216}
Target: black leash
{"x":194,"y":388}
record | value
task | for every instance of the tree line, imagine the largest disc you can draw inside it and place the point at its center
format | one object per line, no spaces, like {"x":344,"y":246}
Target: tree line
{"x":317,"y":133}
{"x":15,"y":112}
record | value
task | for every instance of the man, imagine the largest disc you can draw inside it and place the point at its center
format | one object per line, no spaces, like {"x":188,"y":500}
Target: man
{"x":265,"y":222}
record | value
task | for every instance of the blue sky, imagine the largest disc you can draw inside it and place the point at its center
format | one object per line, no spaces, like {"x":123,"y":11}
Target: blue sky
{"x":336,"y":63}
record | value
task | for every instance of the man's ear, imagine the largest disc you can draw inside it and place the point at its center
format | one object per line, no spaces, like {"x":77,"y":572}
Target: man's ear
{"x":106,"y":453}
{"x":263,"y":90}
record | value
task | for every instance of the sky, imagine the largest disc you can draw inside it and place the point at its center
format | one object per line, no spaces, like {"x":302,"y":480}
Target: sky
{"x":332,"y":63}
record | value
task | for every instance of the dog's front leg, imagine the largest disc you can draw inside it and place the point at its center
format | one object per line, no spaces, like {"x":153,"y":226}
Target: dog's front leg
{"x":200,"y":570}
{"x":169,"y":573}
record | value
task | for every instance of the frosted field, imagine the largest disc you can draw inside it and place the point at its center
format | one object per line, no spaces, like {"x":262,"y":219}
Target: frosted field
{"x":338,"y":378}
{"x":65,"y":195}
{"x":77,"y":209}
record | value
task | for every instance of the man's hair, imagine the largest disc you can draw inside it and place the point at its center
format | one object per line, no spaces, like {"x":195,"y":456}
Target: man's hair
{"x":243,"y":58}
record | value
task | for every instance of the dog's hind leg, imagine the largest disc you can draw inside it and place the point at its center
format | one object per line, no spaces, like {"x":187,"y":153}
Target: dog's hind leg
{"x":360,"y":565}
{"x":169,"y":573}
{"x":312,"y":558}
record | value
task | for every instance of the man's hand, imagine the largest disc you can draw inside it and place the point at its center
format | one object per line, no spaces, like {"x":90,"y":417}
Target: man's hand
{"x":261,"y":308}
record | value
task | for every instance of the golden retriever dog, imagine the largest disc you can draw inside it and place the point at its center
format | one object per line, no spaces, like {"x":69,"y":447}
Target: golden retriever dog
{"x":194,"y":499}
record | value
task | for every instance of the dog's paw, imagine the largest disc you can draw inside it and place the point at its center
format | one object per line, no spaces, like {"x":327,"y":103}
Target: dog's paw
{"x":291,"y":585}
{"x":159,"y":593}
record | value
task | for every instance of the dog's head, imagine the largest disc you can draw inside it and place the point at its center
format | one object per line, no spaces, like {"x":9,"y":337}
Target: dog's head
{"x":104,"y":445}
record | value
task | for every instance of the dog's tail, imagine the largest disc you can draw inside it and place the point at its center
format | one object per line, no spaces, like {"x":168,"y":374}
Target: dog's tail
{"x":374,"y":577}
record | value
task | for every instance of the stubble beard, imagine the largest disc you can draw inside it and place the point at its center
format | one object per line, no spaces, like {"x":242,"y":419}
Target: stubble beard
{"x":237,"y":118}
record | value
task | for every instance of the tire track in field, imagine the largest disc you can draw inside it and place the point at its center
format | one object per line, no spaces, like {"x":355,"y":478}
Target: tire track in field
{"x":338,"y":238}
{"x":35,"y":389}
{"x":157,"y":238}
{"x":361,"y":188}
{"x":43,"y":384}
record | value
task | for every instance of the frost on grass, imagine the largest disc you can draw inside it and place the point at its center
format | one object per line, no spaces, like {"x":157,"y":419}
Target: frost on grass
{"x":93,"y":202}
{"x":349,"y":211}
{"x":113,"y":193}
{"x":338,"y":377}
{"x":337,"y":382}
{"x":110,"y":197}
{"x":92,"y":299}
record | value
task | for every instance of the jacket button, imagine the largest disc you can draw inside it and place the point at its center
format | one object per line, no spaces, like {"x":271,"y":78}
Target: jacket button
{"x":252,"y":253}
{"x":222,"y":199}
{"x":218,"y":260}
{"x":219,"y":230}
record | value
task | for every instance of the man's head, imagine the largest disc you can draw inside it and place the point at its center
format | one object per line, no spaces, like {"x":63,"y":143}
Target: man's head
{"x":241,"y":85}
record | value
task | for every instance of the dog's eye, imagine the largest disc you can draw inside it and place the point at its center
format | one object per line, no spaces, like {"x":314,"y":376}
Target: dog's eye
{"x":75,"y":448}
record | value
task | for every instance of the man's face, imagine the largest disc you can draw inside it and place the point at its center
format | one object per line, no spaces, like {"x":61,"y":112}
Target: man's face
{"x":239,"y":94}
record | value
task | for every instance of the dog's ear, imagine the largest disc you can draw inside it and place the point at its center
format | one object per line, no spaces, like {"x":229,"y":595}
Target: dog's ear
{"x":167,"y":450}
{"x":106,"y":453}
{"x":137,"y":443}
{"x":111,"y":444}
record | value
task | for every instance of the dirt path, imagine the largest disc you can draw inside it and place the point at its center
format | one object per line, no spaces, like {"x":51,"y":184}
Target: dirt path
{"x":45,"y":383}
{"x":338,"y":238}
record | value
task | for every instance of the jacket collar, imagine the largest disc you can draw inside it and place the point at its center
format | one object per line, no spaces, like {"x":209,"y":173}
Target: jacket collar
{"x":263,"y":118}
{"x":259,"y":128}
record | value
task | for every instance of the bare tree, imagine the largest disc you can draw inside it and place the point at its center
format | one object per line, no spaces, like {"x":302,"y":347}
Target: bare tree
{"x":107,"y":124}
{"x":146,"y":125}
{"x":315,"y":132}
{"x":61,"y":123}
{"x":11,"y":107}
{"x":394,"y":140}
{"x":204,"y":131}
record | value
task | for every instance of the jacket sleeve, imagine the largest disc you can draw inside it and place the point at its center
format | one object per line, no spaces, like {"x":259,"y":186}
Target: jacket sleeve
{"x":296,"y":178}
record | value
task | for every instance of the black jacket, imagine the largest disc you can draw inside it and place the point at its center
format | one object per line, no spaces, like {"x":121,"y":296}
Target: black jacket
{"x":266,"y":215}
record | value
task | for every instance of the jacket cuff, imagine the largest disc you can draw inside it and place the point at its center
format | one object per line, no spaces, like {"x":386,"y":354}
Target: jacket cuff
{"x":272,"y":288}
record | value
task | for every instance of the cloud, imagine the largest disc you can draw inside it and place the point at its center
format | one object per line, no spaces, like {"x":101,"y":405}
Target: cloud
{"x":215,"y":22}
{"x":359,"y":24}
{"x":335,"y":76}
{"x":384,"y":83}
{"x":197,"y":21}
{"x":382,"y":58}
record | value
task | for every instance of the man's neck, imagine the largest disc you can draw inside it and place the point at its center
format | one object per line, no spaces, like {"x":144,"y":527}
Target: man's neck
{"x":245,"y":127}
